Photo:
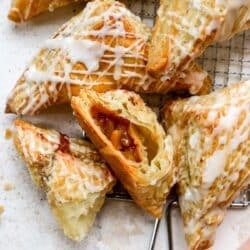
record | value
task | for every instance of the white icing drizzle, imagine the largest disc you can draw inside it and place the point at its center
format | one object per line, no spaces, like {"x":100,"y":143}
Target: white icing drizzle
{"x":79,"y":51}
{"x":193,"y":29}
{"x":215,"y":163}
{"x":191,"y":194}
{"x":32,"y":145}
{"x":89,"y":50}
{"x":194,"y":139}
{"x":223,"y":116}
{"x":69,"y":177}
{"x":79,"y":42}
{"x":220,"y":18}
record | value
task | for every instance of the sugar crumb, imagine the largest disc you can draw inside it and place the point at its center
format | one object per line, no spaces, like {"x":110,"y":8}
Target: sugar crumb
{"x":8,"y":186}
{"x":8,"y":134}
{"x":1,"y":209}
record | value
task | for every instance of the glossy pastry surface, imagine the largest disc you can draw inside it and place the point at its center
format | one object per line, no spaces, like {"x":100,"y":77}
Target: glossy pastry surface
{"x":211,"y":136}
{"x":129,"y":137}
{"x":70,"y":171}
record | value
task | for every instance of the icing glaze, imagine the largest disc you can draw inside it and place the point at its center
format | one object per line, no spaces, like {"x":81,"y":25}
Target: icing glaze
{"x":64,"y":168}
{"x":217,"y":20}
{"x":105,"y":49}
{"x":82,"y":54}
{"x":212,"y":149}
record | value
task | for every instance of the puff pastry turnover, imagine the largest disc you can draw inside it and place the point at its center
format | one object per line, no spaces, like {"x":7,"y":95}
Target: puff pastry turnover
{"x":211,"y":136}
{"x":70,"y":171}
{"x":103,"y":47}
{"x":128,"y":135}
{"x":184,"y":28}
{"x":22,"y":10}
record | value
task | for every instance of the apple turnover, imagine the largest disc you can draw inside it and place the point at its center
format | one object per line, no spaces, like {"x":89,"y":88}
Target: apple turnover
{"x":70,"y":171}
{"x":211,"y":137}
{"x":129,"y":137}
{"x":22,"y":10}
{"x":184,"y":28}
{"x":104,"y":47}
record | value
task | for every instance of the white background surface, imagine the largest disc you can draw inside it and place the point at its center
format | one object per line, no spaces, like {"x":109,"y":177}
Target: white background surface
{"x":27,"y":223}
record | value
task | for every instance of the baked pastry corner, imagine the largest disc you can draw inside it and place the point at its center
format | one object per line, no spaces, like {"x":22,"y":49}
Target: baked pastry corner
{"x":185,"y":28}
{"x":70,"y":171}
{"x":22,"y":10}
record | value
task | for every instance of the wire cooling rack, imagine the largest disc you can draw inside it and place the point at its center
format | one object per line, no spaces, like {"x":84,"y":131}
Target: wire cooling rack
{"x":226,"y":63}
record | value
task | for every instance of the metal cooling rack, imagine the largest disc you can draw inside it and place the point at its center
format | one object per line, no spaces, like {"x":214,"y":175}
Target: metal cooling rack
{"x":242,"y":202}
{"x":226,"y":63}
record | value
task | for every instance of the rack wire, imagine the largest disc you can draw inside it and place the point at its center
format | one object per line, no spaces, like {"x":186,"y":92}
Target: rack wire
{"x":226,"y":63}
{"x":242,"y":202}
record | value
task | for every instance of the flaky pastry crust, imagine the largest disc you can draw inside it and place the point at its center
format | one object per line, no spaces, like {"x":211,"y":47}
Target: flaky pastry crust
{"x":211,"y":136}
{"x":185,"y":28}
{"x":104,"y":47}
{"x":128,"y":135}
{"x":22,"y":10}
{"x":70,"y":171}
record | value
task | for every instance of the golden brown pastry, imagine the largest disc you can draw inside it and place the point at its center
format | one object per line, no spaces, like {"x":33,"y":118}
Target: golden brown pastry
{"x":211,"y":136}
{"x":194,"y":80}
{"x":129,"y":137}
{"x":22,"y":10}
{"x":70,"y":171}
{"x":103,"y":47}
{"x":185,"y":28}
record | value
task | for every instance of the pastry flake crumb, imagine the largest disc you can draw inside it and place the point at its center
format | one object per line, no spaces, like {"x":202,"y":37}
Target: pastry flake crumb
{"x":1,"y":209}
{"x":8,"y":134}
{"x":8,"y":186}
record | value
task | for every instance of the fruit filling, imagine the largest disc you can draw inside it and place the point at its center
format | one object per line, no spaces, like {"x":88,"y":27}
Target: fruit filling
{"x":119,"y":131}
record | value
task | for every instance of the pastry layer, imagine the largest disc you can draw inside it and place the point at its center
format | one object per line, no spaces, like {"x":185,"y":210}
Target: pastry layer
{"x":211,"y":136}
{"x":129,"y":137}
{"x":104,"y":47}
{"x":185,"y":28}
{"x":70,"y":171}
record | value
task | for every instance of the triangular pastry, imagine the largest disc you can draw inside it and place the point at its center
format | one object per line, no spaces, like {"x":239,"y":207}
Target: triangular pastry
{"x":184,"y":28}
{"x":129,"y":137}
{"x":211,"y":136}
{"x":22,"y":10}
{"x":103,"y":47}
{"x":71,"y":172}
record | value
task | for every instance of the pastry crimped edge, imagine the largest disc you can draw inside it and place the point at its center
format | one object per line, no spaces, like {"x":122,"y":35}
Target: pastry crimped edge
{"x":142,"y":189}
{"x":74,"y":211}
